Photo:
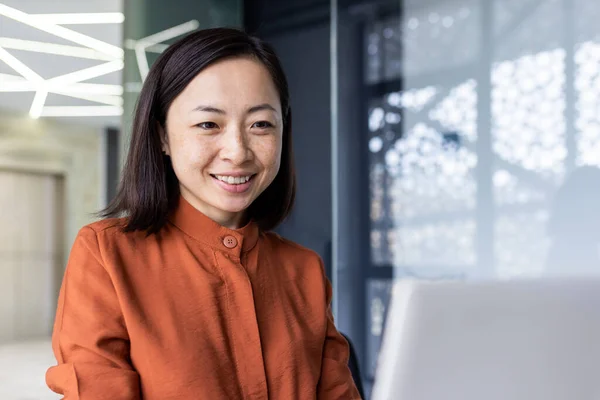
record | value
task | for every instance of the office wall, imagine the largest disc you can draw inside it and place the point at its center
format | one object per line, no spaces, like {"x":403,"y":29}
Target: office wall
{"x":74,"y":153}
{"x":31,"y":253}
{"x":299,"y":31}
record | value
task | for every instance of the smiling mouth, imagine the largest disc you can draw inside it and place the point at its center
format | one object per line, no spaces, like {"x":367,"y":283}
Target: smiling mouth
{"x":234,"y":180}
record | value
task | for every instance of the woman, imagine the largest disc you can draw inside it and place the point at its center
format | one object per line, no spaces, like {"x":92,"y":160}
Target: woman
{"x":189,"y":296}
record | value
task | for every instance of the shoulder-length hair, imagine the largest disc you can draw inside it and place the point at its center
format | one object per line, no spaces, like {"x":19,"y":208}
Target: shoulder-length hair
{"x":149,"y":189}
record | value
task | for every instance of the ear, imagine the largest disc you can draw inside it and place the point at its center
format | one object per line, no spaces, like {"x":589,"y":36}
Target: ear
{"x":164,"y":139}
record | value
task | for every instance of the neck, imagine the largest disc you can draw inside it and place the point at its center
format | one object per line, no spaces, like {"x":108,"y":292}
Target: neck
{"x":235,"y":221}
{"x":231,"y":220}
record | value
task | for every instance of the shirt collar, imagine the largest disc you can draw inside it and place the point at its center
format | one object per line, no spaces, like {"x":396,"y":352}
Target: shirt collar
{"x":205,"y":230}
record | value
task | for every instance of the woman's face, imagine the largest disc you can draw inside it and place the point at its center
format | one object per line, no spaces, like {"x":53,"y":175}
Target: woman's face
{"x":224,"y":135}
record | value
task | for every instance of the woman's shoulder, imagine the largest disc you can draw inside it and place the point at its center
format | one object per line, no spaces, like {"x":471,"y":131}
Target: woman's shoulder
{"x":109,"y":230}
{"x":106,"y":224}
{"x":107,"y":239}
{"x":104,"y":227}
{"x":290,"y":248}
{"x":296,"y":262}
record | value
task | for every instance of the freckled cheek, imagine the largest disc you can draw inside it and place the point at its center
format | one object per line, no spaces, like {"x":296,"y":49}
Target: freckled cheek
{"x":269,"y":155}
{"x":276,"y":163}
{"x":190,"y":158}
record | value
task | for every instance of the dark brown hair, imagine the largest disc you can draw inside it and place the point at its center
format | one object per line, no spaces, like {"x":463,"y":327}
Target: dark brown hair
{"x":149,"y":189}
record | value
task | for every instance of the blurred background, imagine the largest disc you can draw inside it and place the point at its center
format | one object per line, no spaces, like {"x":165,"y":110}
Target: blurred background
{"x":434,"y":140}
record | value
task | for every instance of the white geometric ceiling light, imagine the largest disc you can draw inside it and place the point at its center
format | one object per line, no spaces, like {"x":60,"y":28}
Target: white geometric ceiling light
{"x":81,"y":18}
{"x":153,"y":42}
{"x":51,"y":48}
{"x":109,"y":97}
{"x":47,"y":25}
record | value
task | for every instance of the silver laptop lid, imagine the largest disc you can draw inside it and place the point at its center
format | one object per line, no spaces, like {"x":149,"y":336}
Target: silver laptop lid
{"x":515,"y":340}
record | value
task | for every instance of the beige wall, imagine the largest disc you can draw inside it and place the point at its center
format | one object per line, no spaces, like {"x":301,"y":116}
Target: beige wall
{"x":58,"y":170}
{"x":48,"y":147}
{"x":31,"y":253}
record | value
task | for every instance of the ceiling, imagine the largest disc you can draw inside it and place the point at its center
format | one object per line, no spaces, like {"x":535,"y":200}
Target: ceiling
{"x":95,"y":56}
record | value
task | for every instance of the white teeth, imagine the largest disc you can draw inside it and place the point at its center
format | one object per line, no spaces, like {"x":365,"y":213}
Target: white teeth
{"x":233,"y":180}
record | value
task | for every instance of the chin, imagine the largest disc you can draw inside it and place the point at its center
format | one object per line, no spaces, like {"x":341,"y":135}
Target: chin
{"x":232,"y":207}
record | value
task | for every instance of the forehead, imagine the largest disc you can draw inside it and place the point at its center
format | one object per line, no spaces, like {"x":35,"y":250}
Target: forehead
{"x":231,"y":82}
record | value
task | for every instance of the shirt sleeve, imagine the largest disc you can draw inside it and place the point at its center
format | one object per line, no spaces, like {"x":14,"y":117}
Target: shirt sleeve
{"x":336,"y":380}
{"x":90,"y":340}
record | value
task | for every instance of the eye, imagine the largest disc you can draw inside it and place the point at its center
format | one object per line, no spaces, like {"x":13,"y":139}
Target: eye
{"x":207,"y":125}
{"x":262,"y":125}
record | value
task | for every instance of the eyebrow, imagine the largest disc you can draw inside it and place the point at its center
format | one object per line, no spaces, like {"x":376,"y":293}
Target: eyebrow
{"x":209,"y":109}
{"x":251,"y":110}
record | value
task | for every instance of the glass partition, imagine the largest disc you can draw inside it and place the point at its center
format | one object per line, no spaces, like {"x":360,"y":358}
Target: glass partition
{"x":467,"y":146}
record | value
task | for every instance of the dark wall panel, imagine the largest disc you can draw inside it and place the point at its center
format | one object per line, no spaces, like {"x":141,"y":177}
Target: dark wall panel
{"x":299,"y":31}
{"x":305,"y":56}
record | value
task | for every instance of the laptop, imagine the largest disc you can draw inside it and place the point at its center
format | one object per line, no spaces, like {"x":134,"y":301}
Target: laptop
{"x":512,"y":340}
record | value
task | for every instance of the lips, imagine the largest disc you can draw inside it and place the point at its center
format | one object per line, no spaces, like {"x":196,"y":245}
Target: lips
{"x":234,"y":180}
{"x":239,"y":183}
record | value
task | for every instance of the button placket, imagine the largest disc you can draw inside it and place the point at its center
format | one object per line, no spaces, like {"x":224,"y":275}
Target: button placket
{"x":244,"y":330}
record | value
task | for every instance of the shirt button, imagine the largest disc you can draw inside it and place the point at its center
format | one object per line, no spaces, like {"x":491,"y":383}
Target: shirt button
{"x":230,"y":242}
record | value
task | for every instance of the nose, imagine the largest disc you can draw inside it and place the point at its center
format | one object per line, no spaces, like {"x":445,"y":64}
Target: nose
{"x":235,"y":147}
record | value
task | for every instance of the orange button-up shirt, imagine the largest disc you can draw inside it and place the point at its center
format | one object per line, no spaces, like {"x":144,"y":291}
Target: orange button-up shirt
{"x":197,"y":311}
